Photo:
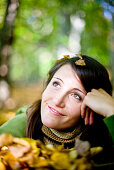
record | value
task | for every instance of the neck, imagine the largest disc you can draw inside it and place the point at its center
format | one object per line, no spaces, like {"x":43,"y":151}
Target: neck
{"x":67,"y":136}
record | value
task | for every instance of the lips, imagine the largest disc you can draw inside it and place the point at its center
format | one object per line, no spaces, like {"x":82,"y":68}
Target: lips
{"x":55,"y":112}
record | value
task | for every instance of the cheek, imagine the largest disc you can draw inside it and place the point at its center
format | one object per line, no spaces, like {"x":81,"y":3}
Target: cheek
{"x":43,"y":110}
{"x":76,"y":111}
{"x":45,"y":95}
{"x":45,"y":99}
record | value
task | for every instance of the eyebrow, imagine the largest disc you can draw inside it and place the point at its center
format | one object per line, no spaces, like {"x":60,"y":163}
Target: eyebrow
{"x":73,"y":88}
{"x":79,"y":90}
{"x":59,"y":79}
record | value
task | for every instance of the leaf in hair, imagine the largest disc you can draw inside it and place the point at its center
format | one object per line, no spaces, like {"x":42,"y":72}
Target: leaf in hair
{"x":64,"y":58}
{"x":80,"y":62}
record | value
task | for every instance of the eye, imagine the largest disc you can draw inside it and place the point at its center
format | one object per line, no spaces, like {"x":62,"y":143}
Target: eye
{"x":77,"y":96}
{"x":56,"y":84}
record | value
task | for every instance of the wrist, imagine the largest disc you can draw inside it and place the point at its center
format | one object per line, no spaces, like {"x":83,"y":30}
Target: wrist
{"x":110,"y":111}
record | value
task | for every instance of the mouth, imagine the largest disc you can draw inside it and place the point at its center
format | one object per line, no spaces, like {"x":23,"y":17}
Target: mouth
{"x":55,"y":112}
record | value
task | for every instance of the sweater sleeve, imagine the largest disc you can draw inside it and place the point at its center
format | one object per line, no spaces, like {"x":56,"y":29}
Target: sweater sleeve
{"x":17,"y":125}
{"x":109,"y":121}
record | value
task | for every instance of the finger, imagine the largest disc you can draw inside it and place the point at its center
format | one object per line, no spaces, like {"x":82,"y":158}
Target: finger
{"x":103,"y":91}
{"x":91,"y":118}
{"x":86,"y":119}
{"x":94,"y":91}
{"x":83,"y":110}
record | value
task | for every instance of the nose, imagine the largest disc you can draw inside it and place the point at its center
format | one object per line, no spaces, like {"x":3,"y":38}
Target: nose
{"x":59,"y":100}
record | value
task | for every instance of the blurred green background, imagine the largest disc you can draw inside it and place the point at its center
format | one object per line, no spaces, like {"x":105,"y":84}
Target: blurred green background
{"x":35,"y":33}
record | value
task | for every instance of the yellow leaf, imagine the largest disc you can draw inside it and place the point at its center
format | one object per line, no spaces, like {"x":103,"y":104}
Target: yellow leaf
{"x":5,"y":139}
{"x":95,"y":150}
{"x":60,"y":160}
{"x":2,"y":166}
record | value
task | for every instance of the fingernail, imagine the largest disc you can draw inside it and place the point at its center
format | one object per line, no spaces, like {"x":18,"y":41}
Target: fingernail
{"x":82,"y":115}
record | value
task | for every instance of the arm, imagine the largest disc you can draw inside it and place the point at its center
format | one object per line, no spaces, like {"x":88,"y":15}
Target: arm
{"x":98,"y":101}
{"x":109,"y":121}
{"x":102,"y":103}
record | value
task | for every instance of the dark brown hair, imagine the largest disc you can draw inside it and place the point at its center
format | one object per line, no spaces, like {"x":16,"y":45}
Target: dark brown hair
{"x":92,"y":75}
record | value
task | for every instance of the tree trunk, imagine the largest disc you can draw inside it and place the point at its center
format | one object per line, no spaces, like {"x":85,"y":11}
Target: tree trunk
{"x":6,"y":38}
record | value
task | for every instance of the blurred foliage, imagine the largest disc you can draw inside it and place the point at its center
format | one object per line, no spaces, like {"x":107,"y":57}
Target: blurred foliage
{"x":42,"y":26}
{"x":95,"y":36}
{"x":25,"y":153}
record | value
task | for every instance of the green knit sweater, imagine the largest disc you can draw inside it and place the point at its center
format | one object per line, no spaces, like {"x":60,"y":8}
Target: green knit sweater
{"x":17,"y":125}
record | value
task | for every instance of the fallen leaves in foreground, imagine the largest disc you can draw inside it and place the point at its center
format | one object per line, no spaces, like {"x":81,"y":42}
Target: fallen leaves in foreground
{"x":26,"y":153}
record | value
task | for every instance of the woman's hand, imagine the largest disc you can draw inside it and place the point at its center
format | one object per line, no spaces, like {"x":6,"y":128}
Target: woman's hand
{"x":98,"y":101}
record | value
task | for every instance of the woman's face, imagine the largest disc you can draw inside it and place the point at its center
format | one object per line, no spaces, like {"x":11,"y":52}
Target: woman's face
{"x":62,"y":99}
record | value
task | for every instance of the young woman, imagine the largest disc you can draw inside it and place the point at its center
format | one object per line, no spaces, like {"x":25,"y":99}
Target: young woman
{"x":76,"y":103}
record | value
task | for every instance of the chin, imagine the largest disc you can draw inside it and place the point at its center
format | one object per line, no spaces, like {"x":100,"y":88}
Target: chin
{"x":48,"y":124}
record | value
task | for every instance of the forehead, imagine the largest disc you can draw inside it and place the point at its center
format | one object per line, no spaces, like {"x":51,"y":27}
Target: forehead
{"x":66,"y":71}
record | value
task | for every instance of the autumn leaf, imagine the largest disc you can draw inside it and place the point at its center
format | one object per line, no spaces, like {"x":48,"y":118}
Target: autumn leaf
{"x":5,"y":139}
{"x":26,"y":153}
